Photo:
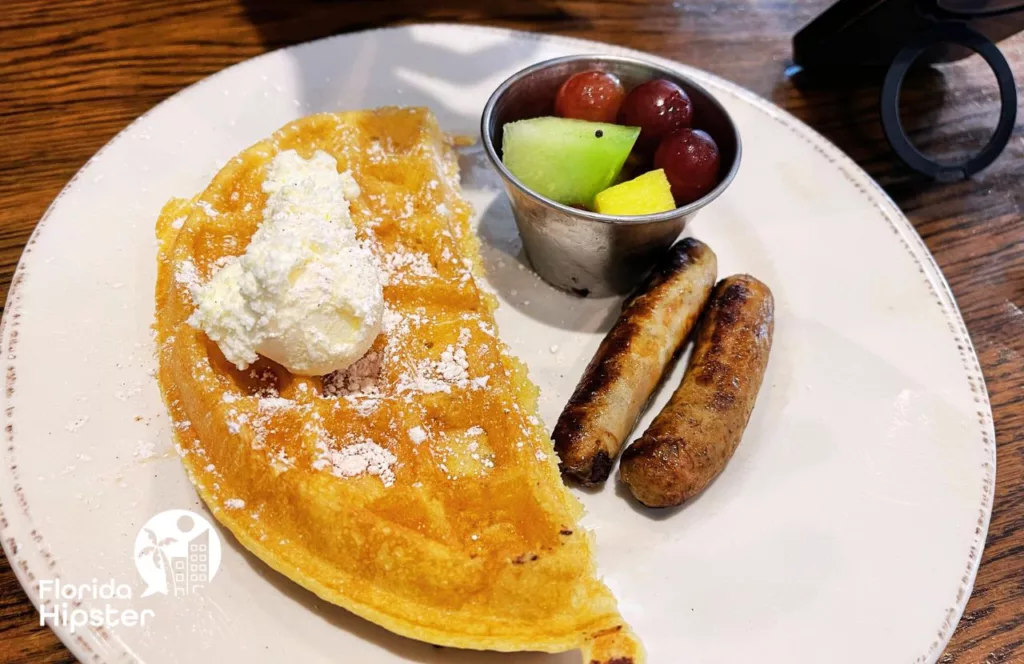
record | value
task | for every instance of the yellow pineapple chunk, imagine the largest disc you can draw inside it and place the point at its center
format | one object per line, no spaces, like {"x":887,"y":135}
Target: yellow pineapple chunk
{"x":645,"y":194}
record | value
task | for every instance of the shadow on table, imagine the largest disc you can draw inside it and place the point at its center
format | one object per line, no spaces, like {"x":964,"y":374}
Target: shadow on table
{"x":286,"y":23}
{"x":845,"y":108}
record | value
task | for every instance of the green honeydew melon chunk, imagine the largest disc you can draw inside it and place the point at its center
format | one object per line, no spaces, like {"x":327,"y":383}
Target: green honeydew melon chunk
{"x":568,"y":161}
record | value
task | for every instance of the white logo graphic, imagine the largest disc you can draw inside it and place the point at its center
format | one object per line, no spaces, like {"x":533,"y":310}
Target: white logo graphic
{"x":177,"y":552}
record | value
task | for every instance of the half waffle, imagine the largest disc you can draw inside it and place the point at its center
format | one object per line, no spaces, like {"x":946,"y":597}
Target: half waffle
{"x":461,"y":533}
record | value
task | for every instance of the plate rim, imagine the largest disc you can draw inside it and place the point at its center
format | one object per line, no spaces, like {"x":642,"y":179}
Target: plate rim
{"x":908,"y":236}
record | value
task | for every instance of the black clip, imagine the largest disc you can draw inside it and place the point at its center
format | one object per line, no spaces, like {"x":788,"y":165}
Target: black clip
{"x":955,"y":33}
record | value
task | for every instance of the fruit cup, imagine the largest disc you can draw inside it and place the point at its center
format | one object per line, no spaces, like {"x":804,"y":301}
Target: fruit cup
{"x":576,"y":250}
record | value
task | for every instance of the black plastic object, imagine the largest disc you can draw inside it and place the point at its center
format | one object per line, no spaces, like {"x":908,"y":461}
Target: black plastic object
{"x":866,"y":40}
{"x":948,"y":33}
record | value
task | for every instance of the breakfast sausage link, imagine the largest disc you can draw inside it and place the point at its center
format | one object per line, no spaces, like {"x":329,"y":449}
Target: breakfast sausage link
{"x":693,"y":437}
{"x":631,"y":360}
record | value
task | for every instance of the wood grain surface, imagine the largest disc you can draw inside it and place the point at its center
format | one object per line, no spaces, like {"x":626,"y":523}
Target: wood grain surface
{"x":74,"y":72}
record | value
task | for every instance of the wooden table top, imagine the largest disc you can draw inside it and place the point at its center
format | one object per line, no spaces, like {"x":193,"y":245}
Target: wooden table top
{"x":76,"y":72}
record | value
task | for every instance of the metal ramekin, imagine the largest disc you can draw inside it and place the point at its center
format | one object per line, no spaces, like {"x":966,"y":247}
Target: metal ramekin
{"x":580,"y":251}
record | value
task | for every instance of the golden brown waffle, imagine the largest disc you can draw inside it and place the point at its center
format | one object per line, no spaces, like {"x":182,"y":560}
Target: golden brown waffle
{"x":469,"y":538}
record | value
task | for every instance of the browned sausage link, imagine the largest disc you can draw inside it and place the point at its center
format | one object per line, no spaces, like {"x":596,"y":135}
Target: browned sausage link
{"x":693,"y":437}
{"x":631,"y":360}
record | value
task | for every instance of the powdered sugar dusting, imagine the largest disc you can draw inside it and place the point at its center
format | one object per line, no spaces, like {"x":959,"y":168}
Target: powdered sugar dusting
{"x":144,"y":449}
{"x":397,"y":266}
{"x":450,"y":370}
{"x":271,"y":404}
{"x":208,"y":209}
{"x":236,"y":420}
{"x":282,"y":461}
{"x":185,"y":274}
{"x":363,"y":457}
{"x":392,"y":320}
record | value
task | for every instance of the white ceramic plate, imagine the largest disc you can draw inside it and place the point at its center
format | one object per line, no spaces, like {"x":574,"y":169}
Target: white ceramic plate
{"x":847,"y":528}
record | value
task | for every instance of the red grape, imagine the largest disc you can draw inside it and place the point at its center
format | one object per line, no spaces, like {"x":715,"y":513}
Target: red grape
{"x":658,"y":107}
{"x":590,"y":95}
{"x":691,"y":162}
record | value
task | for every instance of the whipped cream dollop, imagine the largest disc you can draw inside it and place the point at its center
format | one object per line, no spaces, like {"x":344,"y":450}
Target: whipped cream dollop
{"x":304,"y":294}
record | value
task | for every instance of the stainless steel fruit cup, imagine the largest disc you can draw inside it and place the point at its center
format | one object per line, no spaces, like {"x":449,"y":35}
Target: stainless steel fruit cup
{"x":580,"y":251}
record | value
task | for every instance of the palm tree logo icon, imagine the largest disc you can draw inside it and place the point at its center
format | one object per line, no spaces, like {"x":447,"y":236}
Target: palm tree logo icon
{"x":177,"y":552}
{"x":157,"y":551}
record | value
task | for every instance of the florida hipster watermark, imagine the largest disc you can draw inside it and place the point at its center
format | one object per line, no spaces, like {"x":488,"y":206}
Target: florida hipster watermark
{"x":176,"y":552}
